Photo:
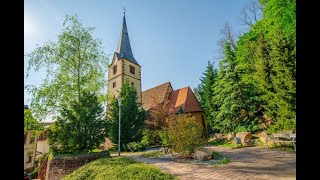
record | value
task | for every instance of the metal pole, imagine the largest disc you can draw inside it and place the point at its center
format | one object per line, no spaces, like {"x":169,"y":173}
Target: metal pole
{"x":119,"y":128}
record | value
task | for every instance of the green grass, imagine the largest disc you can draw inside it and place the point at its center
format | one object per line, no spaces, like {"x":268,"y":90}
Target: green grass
{"x":222,"y":159}
{"x":227,"y":144}
{"x":153,"y":154}
{"x":117,"y":168}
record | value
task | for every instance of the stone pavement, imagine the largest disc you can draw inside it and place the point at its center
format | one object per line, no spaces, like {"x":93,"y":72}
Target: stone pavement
{"x":246,"y":163}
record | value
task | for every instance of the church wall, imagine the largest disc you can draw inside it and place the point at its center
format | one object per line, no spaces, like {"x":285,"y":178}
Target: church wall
{"x":137,"y":74}
{"x":119,"y":69}
{"x":114,"y":91}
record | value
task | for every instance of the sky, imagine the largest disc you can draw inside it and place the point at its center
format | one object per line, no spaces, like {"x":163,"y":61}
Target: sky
{"x":172,"y":40}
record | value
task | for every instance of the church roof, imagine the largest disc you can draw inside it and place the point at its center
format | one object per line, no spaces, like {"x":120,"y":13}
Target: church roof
{"x":184,"y":98}
{"x":124,"y":47}
{"x":154,"y":96}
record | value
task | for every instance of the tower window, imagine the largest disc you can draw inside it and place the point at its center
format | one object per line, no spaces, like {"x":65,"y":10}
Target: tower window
{"x":132,"y":84}
{"x":114,"y":84}
{"x":132,"y":69}
{"x":114,"y":69}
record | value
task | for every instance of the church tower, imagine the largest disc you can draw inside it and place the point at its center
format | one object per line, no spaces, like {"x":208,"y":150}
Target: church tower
{"x":123,"y":66}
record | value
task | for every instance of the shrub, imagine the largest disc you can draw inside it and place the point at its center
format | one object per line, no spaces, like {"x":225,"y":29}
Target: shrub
{"x":185,"y":134}
{"x":135,"y":146}
{"x":164,"y":135}
{"x":146,"y":137}
{"x":34,"y":173}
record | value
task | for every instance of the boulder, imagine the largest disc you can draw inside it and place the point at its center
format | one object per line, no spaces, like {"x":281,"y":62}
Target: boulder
{"x":263,"y":137}
{"x":231,"y":136}
{"x":202,"y":154}
{"x":218,"y":137}
{"x":245,"y":137}
{"x":165,"y":150}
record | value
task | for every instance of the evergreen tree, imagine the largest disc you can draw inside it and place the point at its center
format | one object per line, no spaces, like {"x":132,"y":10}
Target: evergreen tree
{"x":283,"y":78}
{"x":80,"y":126}
{"x":229,"y":94}
{"x":132,"y":117}
{"x":205,"y":93}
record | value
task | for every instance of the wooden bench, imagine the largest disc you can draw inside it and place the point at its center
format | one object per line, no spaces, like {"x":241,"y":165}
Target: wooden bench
{"x":281,"y":137}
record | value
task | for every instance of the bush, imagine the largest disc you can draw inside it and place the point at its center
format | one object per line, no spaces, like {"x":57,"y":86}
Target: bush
{"x":34,"y":173}
{"x":118,"y":168}
{"x":152,"y":136}
{"x":146,"y":137}
{"x":185,"y":134}
{"x":134,"y":147}
{"x":164,"y":135}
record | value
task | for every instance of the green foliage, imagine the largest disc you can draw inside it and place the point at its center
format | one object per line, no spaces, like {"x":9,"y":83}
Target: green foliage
{"x":205,"y":92}
{"x":151,"y":137}
{"x":227,"y":144}
{"x":34,"y":172}
{"x":132,"y":117}
{"x":185,"y":134}
{"x":135,"y":146}
{"x":216,"y":155}
{"x":153,"y":154}
{"x":29,"y":122}
{"x":80,"y":127}
{"x":55,"y":154}
{"x":222,"y":159}
{"x":164,"y":135}
{"x":146,"y":137}
{"x":255,"y":85}
{"x":117,"y":168}
{"x":73,"y":64}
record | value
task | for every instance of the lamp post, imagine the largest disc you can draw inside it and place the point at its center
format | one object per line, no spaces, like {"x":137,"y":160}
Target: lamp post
{"x":119,"y":104}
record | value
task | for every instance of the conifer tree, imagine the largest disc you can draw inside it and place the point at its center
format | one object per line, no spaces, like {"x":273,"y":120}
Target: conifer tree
{"x":80,"y":127}
{"x":132,"y":117}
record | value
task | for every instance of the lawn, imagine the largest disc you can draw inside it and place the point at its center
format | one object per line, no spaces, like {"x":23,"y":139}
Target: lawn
{"x":117,"y":168}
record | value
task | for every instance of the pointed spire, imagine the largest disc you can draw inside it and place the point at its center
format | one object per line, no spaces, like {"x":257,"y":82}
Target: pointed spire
{"x":124,"y":47}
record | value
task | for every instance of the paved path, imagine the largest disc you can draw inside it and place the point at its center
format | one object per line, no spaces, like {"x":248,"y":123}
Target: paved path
{"x":246,"y":163}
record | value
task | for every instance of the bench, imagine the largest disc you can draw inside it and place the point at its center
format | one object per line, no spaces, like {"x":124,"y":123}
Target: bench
{"x":282,"y":138}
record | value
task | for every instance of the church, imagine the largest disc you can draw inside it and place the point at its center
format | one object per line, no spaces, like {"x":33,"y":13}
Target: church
{"x":124,"y":66}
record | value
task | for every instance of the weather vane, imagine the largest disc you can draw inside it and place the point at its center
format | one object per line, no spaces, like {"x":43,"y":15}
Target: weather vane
{"x":124,"y":10}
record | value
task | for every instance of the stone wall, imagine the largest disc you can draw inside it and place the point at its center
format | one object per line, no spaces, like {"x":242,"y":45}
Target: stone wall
{"x":60,"y":166}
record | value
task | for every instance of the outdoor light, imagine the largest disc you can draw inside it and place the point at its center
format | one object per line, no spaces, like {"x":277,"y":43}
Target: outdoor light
{"x":119,"y":104}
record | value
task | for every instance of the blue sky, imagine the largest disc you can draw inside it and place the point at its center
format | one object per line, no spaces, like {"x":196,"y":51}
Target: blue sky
{"x":171,"y":39}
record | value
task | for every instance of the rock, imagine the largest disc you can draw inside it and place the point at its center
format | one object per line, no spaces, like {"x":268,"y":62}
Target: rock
{"x":218,"y":137}
{"x":162,"y":149}
{"x":165,"y":150}
{"x":202,"y":154}
{"x":231,"y":136}
{"x":263,"y":137}
{"x":245,"y":137}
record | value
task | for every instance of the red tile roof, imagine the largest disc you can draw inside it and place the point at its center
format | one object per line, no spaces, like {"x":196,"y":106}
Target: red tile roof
{"x":184,"y":98}
{"x":154,"y":96}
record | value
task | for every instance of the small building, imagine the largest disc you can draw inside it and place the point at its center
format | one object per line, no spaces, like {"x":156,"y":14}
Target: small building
{"x":42,"y":144}
{"x":30,"y":141}
{"x":182,"y":98}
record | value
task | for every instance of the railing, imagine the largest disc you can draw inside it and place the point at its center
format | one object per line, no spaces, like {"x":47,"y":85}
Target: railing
{"x":43,"y":169}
